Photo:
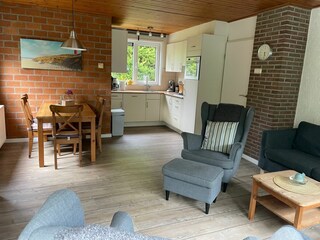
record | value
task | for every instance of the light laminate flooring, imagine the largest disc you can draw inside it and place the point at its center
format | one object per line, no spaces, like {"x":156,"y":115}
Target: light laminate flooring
{"x":127,"y":176}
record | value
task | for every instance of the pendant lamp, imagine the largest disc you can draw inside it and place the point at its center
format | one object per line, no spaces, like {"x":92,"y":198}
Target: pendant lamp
{"x":73,"y":43}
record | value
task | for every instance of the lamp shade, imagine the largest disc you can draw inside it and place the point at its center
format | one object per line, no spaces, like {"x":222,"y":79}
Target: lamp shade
{"x":73,"y":43}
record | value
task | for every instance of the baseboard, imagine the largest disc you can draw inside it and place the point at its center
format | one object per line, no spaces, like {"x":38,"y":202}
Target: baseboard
{"x":35,"y":140}
{"x":250,"y":159}
{"x":143,"y":124}
{"x":17,"y":140}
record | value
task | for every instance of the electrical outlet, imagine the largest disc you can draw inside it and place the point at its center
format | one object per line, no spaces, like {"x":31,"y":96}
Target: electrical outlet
{"x":100,"y":65}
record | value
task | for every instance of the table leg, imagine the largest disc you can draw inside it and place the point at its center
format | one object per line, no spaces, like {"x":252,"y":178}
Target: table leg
{"x":93,"y":140}
{"x":253,"y":201}
{"x":40,"y":143}
{"x":298,"y":217}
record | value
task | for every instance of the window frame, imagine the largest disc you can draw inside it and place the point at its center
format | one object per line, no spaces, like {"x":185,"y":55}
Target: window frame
{"x":142,"y":42}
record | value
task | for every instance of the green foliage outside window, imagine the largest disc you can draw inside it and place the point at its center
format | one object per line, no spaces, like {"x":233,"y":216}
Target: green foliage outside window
{"x":145,"y":60}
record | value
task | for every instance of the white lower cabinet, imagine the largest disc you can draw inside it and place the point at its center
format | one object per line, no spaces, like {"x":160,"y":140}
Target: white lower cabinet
{"x":134,"y":107}
{"x":116,"y":100}
{"x":172,"y":111}
{"x":152,"y":107}
{"x":148,"y":109}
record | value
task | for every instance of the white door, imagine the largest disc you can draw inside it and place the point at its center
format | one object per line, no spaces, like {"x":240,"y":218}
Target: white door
{"x":237,"y":72}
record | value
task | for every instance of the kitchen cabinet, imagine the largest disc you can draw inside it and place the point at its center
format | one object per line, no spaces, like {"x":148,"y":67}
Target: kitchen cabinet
{"x":176,"y":56}
{"x":134,"y":107}
{"x":119,"y":51}
{"x":211,"y":48}
{"x":194,"y":45}
{"x":152,"y":107}
{"x":116,"y":100}
{"x":172,"y":111}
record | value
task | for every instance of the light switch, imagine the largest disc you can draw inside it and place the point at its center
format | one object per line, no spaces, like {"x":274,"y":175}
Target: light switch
{"x":257,"y":71}
{"x":100,"y":65}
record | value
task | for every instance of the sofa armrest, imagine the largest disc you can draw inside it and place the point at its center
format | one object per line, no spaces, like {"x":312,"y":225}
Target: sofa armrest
{"x":191,"y":141}
{"x":122,"y":221}
{"x":274,"y":139}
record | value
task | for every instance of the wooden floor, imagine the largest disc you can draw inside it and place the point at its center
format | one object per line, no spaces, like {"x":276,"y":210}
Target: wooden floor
{"x":127,"y":176}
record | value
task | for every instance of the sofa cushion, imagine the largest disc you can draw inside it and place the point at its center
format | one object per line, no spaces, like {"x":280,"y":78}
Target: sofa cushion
{"x":293,"y":159}
{"x":100,"y":232}
{"x":219,"y":136}
{"x":307,"y":138}
{"x":209,"y":157}
{"x":315,"y":174}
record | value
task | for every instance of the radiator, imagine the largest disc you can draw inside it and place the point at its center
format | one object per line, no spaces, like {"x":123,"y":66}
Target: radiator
{"x":3,"y":135}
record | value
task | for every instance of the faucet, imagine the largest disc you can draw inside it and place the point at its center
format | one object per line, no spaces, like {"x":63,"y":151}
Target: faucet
{"x":146,"y":78}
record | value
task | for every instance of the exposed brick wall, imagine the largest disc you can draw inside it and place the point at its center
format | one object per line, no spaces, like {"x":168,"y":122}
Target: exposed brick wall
{"x":20,"y":21}
{"x":274,"y":93}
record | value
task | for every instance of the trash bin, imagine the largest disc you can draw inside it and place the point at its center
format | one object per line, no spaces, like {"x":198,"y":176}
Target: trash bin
{"x":117,"y":121}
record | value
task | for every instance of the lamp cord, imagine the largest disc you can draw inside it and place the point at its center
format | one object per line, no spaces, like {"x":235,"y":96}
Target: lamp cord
{"x":73,"y":14}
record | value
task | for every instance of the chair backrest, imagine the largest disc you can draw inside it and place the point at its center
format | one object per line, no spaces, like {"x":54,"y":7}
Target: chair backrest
{"x":100,"y":107}
{"x":228,"y":113}
{"x":69,"y":119}
{"x":26,"y":111}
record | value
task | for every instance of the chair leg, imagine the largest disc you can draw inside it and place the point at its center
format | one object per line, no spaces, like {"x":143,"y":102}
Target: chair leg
{"x":167,"y":195}
{"x":74,"y":148}
{"x":99,"y":140}
{"x":224,"y":187}
{"x":80,"y":151}
{"x":55,"y":147}
{"x":207,"y":208}
{"x":30,"y":137}
{"x":59,"y":149}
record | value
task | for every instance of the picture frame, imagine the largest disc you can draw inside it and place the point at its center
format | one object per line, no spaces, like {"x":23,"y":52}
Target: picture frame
{"x":48,"y":55}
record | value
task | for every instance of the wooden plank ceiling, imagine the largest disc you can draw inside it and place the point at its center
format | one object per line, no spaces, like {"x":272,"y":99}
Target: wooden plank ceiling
{"x":169,"y":16}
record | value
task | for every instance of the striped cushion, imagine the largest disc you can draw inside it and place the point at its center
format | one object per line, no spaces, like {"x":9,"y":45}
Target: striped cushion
{"x":219,"y":136}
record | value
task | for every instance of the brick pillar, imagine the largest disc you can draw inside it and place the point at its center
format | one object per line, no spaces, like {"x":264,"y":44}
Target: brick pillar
{"x":274,"y":93}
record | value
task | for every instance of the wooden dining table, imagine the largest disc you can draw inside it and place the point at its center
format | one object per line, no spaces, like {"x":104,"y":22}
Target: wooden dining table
{"x":44,"y":115}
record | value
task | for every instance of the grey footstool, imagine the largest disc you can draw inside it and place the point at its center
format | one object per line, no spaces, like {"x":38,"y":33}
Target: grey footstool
{"x":191,"y":179}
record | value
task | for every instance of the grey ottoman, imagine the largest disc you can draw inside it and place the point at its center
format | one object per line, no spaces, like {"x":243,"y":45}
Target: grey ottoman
{"x":191,"y":179}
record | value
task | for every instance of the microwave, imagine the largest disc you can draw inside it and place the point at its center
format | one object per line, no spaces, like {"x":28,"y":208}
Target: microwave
{"x":192,"y":69}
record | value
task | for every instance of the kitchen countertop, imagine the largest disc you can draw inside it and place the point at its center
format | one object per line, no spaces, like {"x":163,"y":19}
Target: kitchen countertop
{"x":173,"y":94}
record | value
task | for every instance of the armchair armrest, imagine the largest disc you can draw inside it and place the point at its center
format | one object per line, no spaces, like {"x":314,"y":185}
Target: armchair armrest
{"x":191,"y":141}
{"x":62,"y":208}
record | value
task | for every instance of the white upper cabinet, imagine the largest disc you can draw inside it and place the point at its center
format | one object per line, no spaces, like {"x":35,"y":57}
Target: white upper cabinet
{"x":176,"y":56}
{"x":194,"y":46}
{"x":119,"y":50}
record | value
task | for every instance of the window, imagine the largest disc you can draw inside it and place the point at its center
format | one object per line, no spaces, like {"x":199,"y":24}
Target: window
{"x":143,"y":62}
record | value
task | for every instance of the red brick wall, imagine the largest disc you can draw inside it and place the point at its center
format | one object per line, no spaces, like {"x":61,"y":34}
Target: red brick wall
{"x":274,"y":93}
{"x":19,"y":21}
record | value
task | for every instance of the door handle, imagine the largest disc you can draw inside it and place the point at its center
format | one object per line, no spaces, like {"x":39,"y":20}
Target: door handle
{"x":243,"y":95}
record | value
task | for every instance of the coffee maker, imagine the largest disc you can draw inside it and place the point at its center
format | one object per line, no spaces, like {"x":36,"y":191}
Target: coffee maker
{"x":172,"y":86}
{"x":114,"y":84}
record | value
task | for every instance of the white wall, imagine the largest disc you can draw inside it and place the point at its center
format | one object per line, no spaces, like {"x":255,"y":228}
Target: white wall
{"x":308,"y":107}
{"x":213,"y":27}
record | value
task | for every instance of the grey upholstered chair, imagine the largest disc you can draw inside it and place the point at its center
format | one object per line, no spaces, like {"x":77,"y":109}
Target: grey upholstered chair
{"x":220,"y":113}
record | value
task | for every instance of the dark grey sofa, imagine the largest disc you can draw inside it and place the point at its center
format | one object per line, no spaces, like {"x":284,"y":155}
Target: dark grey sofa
{"x":297,"y":149}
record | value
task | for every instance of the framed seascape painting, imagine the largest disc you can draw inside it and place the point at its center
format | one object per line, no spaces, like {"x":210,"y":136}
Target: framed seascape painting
{"x":43,"y":54}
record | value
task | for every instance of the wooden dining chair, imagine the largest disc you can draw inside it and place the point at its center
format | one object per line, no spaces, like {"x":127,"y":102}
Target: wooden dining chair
{"x":99,"y":109}
{"x":67,"y":128}
{"x":31,"y":123}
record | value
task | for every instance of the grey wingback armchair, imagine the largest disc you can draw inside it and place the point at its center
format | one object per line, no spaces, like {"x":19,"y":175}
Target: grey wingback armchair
{"x":220,"y":113}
